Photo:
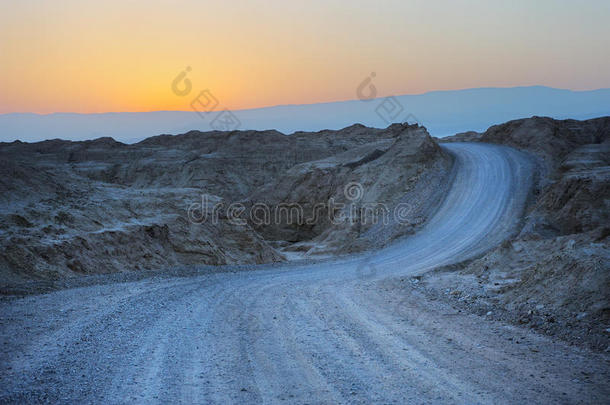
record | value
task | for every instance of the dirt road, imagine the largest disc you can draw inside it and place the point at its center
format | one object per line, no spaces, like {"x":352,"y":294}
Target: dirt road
{"x":331,"y":332}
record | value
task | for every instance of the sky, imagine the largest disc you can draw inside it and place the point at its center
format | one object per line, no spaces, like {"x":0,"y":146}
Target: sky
{"x":88,"y":56}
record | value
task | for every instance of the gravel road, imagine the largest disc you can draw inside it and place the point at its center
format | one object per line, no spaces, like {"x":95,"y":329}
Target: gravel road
{"x":330,"y":332}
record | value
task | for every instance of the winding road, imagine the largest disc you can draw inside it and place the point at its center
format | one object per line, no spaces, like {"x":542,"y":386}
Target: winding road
{"x":331,"y":332}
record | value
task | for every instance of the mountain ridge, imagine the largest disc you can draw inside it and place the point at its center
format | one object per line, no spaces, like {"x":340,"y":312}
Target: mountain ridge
{"x":443,"y":112}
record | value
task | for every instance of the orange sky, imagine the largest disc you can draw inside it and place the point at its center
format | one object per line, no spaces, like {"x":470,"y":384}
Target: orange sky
{"x":123,"y":55}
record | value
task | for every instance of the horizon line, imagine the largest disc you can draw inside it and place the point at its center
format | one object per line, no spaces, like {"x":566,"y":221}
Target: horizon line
{"x":318,"y":103}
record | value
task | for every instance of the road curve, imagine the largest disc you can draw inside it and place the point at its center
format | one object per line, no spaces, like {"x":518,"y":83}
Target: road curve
{"x":332,"y":332}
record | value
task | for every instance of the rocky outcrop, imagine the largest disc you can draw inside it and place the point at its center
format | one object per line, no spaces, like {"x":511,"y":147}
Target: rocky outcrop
{"x":75,"y":226}
{"x":548,"y":139}
{"x":71,"y":208}
{"x":353,"y":196}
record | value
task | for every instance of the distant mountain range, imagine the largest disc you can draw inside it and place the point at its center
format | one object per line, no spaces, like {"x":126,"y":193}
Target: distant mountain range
{"x":442,"y":112}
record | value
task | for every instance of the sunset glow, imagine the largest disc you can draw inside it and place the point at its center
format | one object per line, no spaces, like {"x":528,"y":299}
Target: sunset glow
{"x":74,"y":56}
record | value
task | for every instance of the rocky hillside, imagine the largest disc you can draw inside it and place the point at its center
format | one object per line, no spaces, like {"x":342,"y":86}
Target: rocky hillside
{"x":365,"y":184}
{"x":100,"y":206}
{"x":555,"y":275}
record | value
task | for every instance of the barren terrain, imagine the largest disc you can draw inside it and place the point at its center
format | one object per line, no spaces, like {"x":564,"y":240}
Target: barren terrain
{"x":422,"y":310}
{"x":554,"y":276}
{"x":75,"y":208}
